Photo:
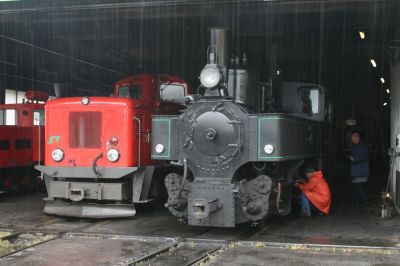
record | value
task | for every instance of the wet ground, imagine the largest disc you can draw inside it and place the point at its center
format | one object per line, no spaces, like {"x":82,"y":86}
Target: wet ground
{"x":349,"y":236}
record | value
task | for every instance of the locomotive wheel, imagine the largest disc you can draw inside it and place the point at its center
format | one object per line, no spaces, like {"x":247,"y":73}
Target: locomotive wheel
{"x":254,"y":197}
{"x":177,"y":204}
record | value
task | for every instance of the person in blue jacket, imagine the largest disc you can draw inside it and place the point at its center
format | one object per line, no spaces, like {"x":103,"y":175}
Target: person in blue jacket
{"x":359,"y":169}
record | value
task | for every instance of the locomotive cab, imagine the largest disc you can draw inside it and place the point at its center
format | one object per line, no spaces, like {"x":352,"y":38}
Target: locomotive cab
{"x":304,"y":99}
{"x":21,"y":140}
{"x":97,"y":159}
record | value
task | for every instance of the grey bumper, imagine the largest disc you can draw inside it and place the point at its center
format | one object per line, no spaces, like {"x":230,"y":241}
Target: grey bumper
{"x":85,"y":172}
{"x":88,"y":210}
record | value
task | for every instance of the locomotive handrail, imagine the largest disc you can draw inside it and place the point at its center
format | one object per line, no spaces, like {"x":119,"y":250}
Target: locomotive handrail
{"x":39,"y":142}
{"x":140,"y":137}
{"x":94,"y":165}
{"x":216,"y":54}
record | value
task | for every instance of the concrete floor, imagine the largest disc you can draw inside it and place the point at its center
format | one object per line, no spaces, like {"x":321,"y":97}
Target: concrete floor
{"x":271,"y":256}
{"x":347,"y":225}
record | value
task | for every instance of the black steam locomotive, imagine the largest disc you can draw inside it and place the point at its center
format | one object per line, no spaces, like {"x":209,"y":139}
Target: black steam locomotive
{"x":238,"y":165}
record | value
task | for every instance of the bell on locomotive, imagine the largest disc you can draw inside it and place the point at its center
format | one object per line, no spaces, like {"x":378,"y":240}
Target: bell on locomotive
{"x":238,"y":164}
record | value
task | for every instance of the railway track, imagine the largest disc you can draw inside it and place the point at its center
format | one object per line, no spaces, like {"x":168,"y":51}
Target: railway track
{"x":59,"y":231}
{"x":18,"y":239}
{"x":77,"y":245}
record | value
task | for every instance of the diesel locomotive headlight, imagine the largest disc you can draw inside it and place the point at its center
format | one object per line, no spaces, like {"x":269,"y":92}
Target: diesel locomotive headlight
{"x":85,"y":100}
{"x":268,"y":149}
{"x":210,"y":76}
{"x":112,"y":155}
{"x":57,"y":155}
{"x":159,"y":148}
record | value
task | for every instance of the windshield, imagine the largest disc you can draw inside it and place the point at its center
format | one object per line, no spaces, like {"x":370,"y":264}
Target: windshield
{"x":8,"y":117}
{"x":172,"y":92}
{"x":38,"y":117}
{"x":133,"y":91}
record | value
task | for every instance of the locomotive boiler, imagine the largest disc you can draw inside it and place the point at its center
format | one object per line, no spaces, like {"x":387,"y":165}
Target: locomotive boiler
{"x":238,"y":165}
{"x":97,"y":153}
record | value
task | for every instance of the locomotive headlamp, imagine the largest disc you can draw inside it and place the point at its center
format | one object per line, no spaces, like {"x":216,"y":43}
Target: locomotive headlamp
{"x":159,"y":148}
{"x":112,"y":155}
{"x":210,"y":76}
{"x":85,"y":100}
{"x":269,"y":149}
{"x":57,"y":155}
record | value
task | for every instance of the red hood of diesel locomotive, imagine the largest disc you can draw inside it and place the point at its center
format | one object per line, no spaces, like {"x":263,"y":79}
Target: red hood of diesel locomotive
{"x":83,"y":131}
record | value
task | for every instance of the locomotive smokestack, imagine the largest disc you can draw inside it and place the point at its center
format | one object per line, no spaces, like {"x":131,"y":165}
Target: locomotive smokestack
{"x":235,"y":78}
{"x":219,"y":44}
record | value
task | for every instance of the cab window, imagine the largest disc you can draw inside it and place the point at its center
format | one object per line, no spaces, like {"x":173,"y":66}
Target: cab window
{"x":314,"y":96}
{"x":38,"y":117}
{"x":8,"y":117}
{"x":172,"y":92}
{"x":133,"y":91}
{"x":311,"y":101}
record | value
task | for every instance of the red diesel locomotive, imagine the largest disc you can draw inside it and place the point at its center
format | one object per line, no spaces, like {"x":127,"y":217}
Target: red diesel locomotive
{"x":97,"y":153}
{"x":21,"y":141}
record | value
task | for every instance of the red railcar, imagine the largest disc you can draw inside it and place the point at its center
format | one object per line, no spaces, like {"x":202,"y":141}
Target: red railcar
{"x":21,"y":141}
{"x":97,"y":153}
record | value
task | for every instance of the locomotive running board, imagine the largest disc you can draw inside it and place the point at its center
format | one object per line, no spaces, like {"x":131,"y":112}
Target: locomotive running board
{"x":88,"y":210}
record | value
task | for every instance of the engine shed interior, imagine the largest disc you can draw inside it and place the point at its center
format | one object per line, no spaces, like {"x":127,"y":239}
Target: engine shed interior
{"x":83,"y":47}
{"x":86,"y":46}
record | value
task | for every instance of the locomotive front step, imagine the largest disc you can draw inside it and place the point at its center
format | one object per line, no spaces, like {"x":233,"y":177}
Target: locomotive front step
{"x":202,"y":208}
{"x":207,"y":209}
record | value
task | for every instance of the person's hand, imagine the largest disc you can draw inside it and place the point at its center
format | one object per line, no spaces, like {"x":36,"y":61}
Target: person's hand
{"x":349,"y":157}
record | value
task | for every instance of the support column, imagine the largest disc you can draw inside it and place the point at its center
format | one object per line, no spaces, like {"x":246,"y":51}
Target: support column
{"x":395,"y":120}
